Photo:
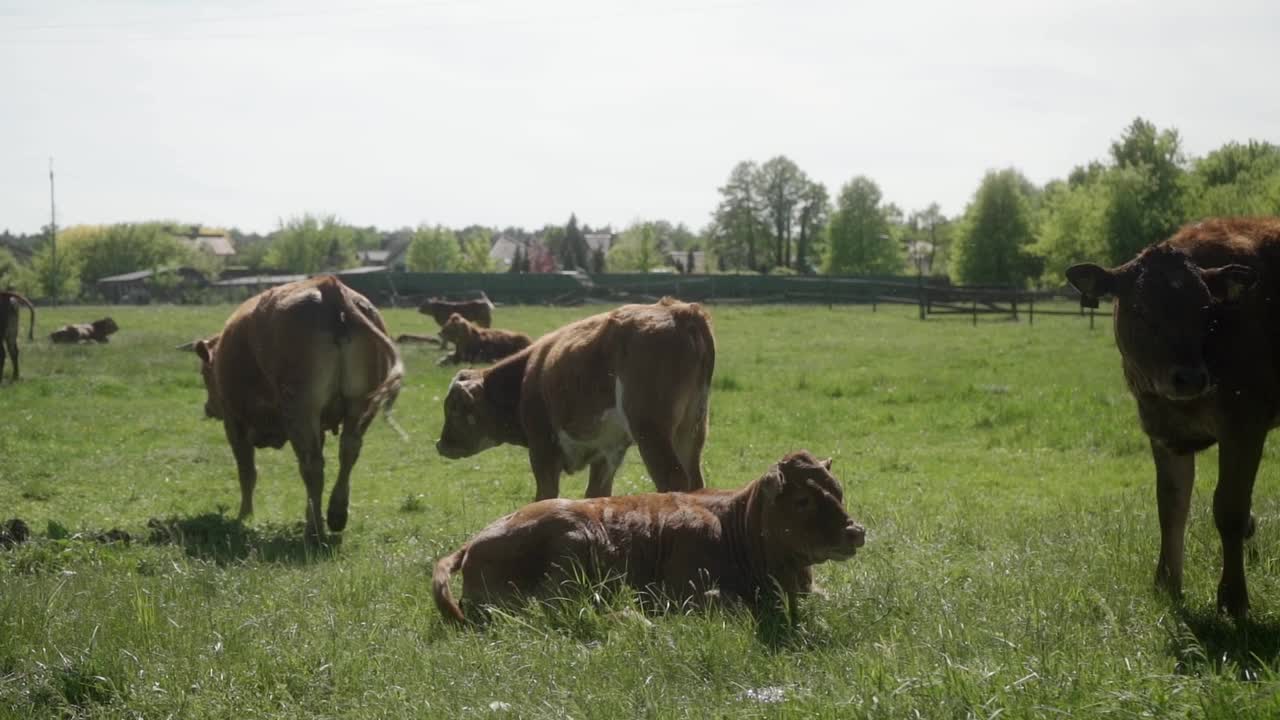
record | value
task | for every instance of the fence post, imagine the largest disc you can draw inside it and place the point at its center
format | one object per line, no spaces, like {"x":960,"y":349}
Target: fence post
{"x":1031,"y":309}
{"x":975,"y":311}
{"x":920,"y":292}
{"x":1090,"y":318}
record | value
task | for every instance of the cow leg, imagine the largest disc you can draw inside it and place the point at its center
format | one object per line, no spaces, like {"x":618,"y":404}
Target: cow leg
{"x":308,"y":445}
{"x":660,"y":457}
{"x":1238,"y":457}
{"x":545,"y":461}
{"x":1175,"y":476}
{"x":349,"y":444}
{"x":242,"y":449}
{"x":602,"y":472}
{"x":689,"y":441}
{"x":2,"y":344}
{"x":13,"y":352}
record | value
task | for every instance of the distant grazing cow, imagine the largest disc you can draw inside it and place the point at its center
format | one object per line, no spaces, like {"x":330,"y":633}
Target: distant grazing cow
{"x":473,"y":343}
{"x":10,"y":324}
{"x":582,"y":394}
{"x":96,"y":331}
{"x":479,"y":311}
{"x":291,"y":363}
{"x":755,"y":545}
{"x":1199,"y":339}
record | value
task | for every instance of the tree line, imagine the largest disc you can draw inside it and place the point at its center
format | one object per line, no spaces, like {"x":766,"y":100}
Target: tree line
{"x":772,"y":217}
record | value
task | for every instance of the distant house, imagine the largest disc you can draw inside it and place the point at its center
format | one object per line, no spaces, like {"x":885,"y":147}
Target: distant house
{"x":373,"y":257}
{"x":680,"y":259}
{"x":600,"y":241}
{"x":213,"y":240}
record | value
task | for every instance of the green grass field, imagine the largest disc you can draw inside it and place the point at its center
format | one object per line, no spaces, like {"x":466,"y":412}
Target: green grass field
{"x":1006,"y":488}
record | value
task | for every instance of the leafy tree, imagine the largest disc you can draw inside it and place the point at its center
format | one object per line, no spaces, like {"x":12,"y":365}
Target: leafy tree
{"x":997,"y":228}
{"x":476,"y":244}
{"x":1146,"y":204}
{"x":311,"y":244}
{"x":737,"y":232}
{"x":598,"y":261}
{"x":574,"y":252}
{"x":9,"y":269}
{"x":1235,"y":179}
{"x":637,"y":250}
{"x":433,"y":249}
{"x":927,"y":234}
{"x":44,"y":275}
{"x":1072,"y":228}
{"x":858,"y":234}
{"x":517,"y":262}
{"x":127,"y":247}
{"x":814,"y":211}
{"x":780,"y":184}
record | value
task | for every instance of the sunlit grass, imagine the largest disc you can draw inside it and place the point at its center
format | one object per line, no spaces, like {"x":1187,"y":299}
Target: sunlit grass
{"x":1006,"y":489}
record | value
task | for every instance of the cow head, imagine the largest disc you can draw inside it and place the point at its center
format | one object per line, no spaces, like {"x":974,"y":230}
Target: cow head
{"x":1165,"y":315}
{"x":803,"y":510}
{"x":455,"y":329}
{"x":470,"y":425}
{"x":105,"y":326}
{"x":213,"y":401}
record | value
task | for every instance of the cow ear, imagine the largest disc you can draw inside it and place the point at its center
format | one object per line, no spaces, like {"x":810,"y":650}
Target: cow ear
{"x":1093,"y":282}
{"x":826,"y":464}
{"x":202,"y":349}
{"x":1230,"y":282}
{"x":772,"y":482}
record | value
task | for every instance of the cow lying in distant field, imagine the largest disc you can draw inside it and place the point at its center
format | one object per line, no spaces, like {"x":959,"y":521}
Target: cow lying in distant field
{"x":10,"y":324}
{"x":479,"y":311}
{"x":473,"y":344}
{"x":291,"y":363}
{"x":754,"y":545}
{"x":582,"y":394}
{"x":1199,"y":340}
{"x":96,"y":331}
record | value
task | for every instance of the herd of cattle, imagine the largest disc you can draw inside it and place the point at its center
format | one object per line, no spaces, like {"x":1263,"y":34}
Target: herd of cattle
{"x":1198,"y":337}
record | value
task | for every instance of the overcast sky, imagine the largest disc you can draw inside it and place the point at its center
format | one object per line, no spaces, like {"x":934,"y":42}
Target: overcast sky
{"x":392,"y":113}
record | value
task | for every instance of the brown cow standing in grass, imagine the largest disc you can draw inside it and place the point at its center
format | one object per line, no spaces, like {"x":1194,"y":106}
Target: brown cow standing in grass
{"x":10,"y":324}
{"x":96,"y":331}
{"x":472,"y":343}
{"x":479,"y":311}
{"x":582,"y":394}
{"x":291,"y":363}
{"x":1199,"y":341}
{"x":755,"y":545}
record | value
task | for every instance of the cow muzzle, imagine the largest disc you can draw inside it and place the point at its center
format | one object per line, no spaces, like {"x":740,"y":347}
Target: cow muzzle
{"x":449,"y":451}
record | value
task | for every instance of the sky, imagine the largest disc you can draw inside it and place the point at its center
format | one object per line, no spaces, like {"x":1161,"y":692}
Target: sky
{"x":496,"y":112}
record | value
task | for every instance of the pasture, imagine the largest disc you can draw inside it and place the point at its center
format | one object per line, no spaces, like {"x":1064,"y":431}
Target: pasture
{"x":1007,"y":492}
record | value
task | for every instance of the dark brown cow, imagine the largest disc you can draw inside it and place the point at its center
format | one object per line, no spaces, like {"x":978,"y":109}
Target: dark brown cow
{"x":472,"y":343}
{"x":754,"y":545}
{"x":291,"y":363}
{"x":10,"y":324}
{"x":1197,"y":330}
{"x":96,"y":331}
{"x":582,"y":394}
{"x":479,"y":311}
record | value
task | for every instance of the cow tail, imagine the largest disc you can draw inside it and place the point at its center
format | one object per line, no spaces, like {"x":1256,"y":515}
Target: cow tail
{"x":31,"y":309}
{"x":384,"y":396}
{"x":440,"y":587}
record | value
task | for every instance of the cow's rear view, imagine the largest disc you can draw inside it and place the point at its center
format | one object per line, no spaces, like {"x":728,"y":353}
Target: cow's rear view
{"x":292,"y":363}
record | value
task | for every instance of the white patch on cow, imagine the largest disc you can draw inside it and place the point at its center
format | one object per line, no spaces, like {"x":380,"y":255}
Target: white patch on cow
{"x":610,"y":439}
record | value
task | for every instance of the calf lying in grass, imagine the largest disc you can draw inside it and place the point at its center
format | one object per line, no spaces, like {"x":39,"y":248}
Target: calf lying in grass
{"x":473,"y":343}
{"x":755,"y":545}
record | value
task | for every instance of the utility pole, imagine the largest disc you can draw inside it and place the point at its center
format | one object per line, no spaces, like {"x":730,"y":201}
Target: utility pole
{"x":53,"y":233}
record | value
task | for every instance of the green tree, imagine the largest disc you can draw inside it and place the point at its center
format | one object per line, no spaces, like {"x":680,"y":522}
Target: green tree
{"x":737,"y":233}
{"x":311,"y":244}
{"x":1072,"y":228}
{"x":127,"y":247}
{"x":476,"y":244}
{"x":574,"y":253}
{"x":858,"y":234}
{"x":9,"y":269}
{"x":997,"y":229}
{"x":1235,"y":179}
{"x":779,"y":184}
{"x":433,"y":249}
{"x":637,"y":250}
{"x":44,"y":274}
{"x":815,"y":208}
{"x":1146,"y":204}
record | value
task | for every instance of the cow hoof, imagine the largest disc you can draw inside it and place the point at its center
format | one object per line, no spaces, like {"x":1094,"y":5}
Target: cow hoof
{"x":1233,"y":601}
{"x":337,"y":521}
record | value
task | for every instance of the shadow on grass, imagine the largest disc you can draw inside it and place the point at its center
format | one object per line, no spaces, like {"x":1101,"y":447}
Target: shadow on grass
{"x":215,"y":537}
{"x":1207,"y":640}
